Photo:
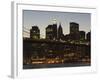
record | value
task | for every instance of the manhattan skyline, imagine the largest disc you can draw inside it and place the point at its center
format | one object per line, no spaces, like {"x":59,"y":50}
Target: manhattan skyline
{"x":43,"y":18}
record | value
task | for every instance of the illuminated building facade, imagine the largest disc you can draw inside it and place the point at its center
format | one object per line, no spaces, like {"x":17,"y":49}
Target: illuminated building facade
{"x":35,"y":32}
{"x":51,"y":32}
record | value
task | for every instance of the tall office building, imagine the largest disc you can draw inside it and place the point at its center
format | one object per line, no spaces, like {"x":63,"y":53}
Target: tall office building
{"x":55,"y":31}
{"x":35,"y":32}
{"x":74,"y":31}
{"x":60,"y":32}
{"x":82,"y":35}
{"x":88,"y":36}
{"x":51,"y":31}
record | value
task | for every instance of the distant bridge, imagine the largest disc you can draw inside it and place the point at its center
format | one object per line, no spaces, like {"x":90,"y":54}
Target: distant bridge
{"x":29,"y":40}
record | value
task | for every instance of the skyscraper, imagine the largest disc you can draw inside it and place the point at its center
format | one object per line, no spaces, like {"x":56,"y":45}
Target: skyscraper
{"x":35,"y":32}
{"x":54,"y":26}
{"x":82,"y":35}
{"x":60,"y":32}
{"x":88,"y":36}
{"x":74,"y":31}
{"x":51,"y":31}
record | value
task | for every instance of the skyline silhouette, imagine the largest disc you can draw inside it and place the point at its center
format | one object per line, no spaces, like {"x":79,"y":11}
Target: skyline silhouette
{"x":43,"y":18}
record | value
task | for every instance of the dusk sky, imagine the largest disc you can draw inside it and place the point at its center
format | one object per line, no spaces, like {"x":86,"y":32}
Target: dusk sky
{"x":43,"y":18}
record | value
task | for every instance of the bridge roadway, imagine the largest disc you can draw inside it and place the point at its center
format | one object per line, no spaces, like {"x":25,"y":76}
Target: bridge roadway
{"x":28,"y":40}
